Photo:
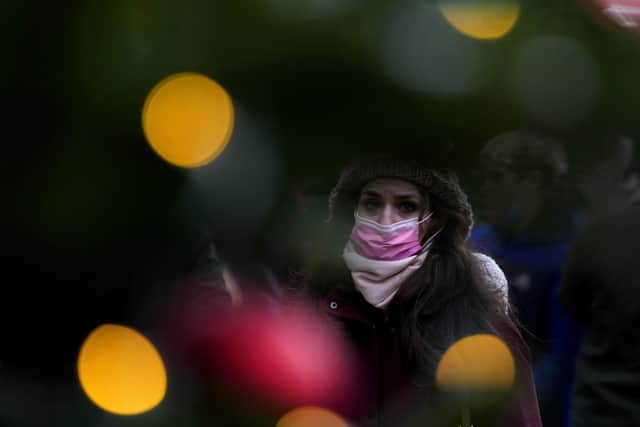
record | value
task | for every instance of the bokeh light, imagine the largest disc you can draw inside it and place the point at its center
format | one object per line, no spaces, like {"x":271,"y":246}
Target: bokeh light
{"x":476,"y":362}
{"x":280,"y":357}
{"x":311,"y":416}
{"x":236,"y":193}
{"x":420,"y":51}
{"x":556,"y":80}
{"x":187,"y":119}
{"x":481,"y":20}
{"x":121,"y":371}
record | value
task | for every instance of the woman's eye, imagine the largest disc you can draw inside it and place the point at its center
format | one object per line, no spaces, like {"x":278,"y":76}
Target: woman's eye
{"x":408,"y":207}
{"x":369,"y":205}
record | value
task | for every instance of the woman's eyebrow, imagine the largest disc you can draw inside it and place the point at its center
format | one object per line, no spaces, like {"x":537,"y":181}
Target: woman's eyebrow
{"x":371,"y":193}
{"x":406,"y":196}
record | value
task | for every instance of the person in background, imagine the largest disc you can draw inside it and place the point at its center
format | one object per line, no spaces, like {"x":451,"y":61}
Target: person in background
{"x":210,"y":287}
{"x":528,"y":223}
{"x":608,"y":178}
{"x":398,"y":278}
{"x":601,"y":289}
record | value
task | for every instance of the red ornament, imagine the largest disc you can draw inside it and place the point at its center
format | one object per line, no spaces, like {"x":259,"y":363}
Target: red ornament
{"x":286,"y":356}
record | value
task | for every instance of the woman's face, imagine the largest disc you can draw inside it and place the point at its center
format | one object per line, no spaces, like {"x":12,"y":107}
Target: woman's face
{"x":390,"y":200}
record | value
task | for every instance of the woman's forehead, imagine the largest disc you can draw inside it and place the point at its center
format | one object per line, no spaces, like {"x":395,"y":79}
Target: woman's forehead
{"x":391,"y":187}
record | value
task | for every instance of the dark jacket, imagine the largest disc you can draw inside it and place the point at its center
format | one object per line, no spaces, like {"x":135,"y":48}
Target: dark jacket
{"x":390,"y":393}
{"x":602,"y":290}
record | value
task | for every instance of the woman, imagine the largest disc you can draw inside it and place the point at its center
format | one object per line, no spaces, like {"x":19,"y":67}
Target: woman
{"x":407,"y":288}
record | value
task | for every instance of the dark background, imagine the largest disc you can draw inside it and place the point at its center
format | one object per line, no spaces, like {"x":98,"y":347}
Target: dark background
{"x":96,"y":225}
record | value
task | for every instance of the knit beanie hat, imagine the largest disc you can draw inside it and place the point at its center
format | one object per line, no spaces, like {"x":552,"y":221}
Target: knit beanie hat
{"x":441,"y":186}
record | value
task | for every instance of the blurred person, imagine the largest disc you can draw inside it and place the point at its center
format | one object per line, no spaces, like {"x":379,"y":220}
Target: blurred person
{"x":601,"y":289}
{"x":212,"y":278}
{"x":529,"y":221}
{"x":608,"y":179}
{"x":224,"y":325}
{"x":236,"y":277}
{"x":197,"y":281}
{"x":396,"y":275}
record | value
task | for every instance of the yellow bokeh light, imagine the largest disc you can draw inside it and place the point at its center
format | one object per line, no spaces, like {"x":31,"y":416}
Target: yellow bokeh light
{"x":121,"y":371}
{"x":311,"y":416}
{"x":187,"y":119}
{"x":485,"y":21}
{"x":476,"y":362}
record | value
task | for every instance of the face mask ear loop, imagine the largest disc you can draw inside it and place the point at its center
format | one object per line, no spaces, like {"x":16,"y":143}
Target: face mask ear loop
{"x":428,"y":242}
{"x":426,"y":218}
{"x":434,"y":235}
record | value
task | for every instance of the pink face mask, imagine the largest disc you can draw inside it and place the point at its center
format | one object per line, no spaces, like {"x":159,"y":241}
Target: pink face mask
{"x":387,"y":242}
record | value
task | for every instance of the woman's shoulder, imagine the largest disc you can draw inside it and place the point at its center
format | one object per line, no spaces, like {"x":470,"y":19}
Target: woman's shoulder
{"x":493,"y":273}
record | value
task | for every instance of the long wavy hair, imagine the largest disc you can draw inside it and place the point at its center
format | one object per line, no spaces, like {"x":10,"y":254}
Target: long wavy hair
{"x":448,"y":298}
